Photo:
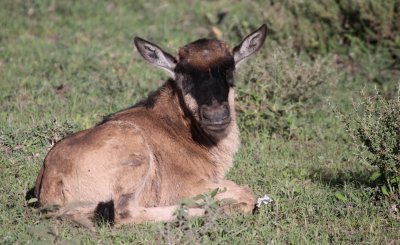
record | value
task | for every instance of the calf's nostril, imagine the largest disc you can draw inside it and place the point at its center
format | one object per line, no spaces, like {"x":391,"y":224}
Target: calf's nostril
{"x":224,"y":114}
{"x":206,"y":115}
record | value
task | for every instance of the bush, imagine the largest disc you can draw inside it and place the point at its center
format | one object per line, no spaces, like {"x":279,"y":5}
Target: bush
{"x":375,"y":126}
{"x":278,"y":90}
{"x":322,"y":26}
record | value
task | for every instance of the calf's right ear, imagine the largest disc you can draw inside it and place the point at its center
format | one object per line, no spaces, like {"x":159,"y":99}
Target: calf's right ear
{"x":156,"y":56}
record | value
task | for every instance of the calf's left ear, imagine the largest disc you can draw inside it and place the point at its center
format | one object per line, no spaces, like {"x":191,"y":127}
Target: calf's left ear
{"x":156,"y":56}
{"x":249,"y":45}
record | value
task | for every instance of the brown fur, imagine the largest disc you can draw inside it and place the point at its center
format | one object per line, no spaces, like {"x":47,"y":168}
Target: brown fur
{"x":140,"y":162}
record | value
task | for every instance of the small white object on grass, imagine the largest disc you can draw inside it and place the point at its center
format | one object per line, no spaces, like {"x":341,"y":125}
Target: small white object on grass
{"x":264,"y":200}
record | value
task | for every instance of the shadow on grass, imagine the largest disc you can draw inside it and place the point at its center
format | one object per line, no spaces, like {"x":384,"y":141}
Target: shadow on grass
{"x":340,"y":178}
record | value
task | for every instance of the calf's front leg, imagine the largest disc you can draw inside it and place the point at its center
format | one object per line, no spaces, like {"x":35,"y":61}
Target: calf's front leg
{"x":235,"y":198}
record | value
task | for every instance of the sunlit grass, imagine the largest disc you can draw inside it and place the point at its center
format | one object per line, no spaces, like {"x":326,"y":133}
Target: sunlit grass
{"x":66,"y":64}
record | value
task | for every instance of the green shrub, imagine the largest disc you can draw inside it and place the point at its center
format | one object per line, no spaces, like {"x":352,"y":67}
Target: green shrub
{"x":279,"y":89}
{"x":375,"y":125}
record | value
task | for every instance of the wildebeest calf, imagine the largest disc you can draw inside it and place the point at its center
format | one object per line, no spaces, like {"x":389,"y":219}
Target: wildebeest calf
{"x":178,"y":143}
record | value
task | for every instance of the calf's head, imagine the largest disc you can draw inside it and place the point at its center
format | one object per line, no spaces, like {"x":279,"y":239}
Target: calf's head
{"x":203,"y":72}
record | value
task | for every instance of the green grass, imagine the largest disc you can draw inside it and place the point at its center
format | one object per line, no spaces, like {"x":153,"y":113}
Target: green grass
{"x":66,"y":64}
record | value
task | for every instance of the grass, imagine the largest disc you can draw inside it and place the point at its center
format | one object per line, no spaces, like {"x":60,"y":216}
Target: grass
{"x":66,"y":64}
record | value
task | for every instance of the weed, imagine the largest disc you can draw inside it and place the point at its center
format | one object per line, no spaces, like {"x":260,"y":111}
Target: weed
{"x":193,"y":231}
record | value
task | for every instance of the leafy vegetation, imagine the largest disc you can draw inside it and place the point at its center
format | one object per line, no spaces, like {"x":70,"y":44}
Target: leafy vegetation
{"x":66,"y":64}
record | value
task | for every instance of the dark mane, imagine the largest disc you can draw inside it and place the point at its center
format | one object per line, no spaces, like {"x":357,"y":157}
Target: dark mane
{"x":148,"y":102}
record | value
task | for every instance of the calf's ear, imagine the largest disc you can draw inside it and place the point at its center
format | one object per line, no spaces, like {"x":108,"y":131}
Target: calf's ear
{"x":156,"y":56}
{"x":249,"y":45}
